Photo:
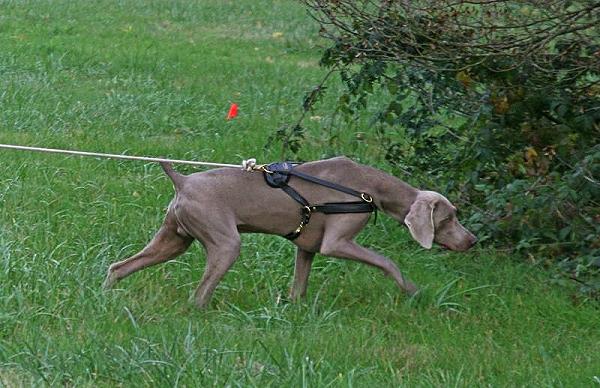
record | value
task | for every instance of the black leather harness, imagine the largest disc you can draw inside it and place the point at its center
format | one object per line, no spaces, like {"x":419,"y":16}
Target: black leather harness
{"x":277,"y":175}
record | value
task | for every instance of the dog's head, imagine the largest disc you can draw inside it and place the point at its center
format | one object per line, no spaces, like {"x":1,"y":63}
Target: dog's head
{"x":432,"y":218}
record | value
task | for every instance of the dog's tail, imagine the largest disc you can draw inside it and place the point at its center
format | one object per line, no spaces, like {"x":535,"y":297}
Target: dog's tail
{"x":176,"y":177}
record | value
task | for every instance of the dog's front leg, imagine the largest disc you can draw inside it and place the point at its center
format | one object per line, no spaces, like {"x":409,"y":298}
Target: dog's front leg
{"x":304,"y":261}
{"x":347,"y":249}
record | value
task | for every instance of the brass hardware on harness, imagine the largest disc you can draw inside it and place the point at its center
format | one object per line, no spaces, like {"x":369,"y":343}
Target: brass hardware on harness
{"x":307,"y":210}
{"x":366,"y":197}
{"x":263,"y":168}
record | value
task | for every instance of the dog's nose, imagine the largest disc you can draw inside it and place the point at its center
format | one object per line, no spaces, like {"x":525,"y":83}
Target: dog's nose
{"x":473,"y":241}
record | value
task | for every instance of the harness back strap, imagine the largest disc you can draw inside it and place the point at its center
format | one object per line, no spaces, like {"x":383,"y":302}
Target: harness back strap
{"x":325,"y":183}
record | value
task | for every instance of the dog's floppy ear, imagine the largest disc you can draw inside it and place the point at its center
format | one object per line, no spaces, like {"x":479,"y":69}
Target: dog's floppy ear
{"x":420,"y":221}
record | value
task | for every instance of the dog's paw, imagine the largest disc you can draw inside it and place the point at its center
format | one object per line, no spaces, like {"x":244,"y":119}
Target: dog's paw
{"x":110,"y":281}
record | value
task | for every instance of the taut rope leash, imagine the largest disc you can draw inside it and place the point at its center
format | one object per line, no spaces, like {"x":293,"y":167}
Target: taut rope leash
{"x":248,"y":165}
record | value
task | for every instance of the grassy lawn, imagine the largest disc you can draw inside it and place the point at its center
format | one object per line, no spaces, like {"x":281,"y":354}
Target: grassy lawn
{"x":157,"y":78}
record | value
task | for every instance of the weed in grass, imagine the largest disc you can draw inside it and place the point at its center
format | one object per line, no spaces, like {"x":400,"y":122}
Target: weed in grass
{"x":447,"y":299}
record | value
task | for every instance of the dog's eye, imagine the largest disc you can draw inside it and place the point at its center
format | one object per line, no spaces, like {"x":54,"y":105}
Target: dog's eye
{"x":445,"y":219}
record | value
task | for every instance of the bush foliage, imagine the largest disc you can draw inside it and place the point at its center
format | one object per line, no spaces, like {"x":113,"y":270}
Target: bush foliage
{"x":496,"y":103}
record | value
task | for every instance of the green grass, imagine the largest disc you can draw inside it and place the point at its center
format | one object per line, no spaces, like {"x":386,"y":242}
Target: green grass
{"x":157,"y":78}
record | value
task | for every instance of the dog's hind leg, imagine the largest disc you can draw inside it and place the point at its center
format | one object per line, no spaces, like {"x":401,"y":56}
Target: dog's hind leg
{"x":166,"y":244}
{"x":219,"y":258}
{"x":304,"y":261}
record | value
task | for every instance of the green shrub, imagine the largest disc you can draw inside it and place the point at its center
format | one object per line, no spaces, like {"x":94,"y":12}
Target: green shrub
{"x":495,"y":103}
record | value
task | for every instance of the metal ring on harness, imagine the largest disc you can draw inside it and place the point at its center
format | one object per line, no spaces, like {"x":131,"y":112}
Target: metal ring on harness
{"x":366,"y":197}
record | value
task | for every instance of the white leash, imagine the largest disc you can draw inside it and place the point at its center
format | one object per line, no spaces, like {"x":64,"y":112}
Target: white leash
{"x":248,"y":165}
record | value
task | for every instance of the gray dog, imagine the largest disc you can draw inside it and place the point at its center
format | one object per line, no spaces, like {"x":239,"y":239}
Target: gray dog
{"x":215,"y":206}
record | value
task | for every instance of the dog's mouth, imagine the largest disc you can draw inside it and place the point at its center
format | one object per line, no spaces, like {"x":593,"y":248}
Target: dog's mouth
{"x":446,"y":247}
{"x":456,"y":248}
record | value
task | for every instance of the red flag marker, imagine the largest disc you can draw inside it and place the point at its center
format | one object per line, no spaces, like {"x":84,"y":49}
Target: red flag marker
{"x":233,"y":111}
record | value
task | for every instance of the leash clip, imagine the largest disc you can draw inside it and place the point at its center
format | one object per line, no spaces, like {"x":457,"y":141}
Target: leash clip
{"x":263,"y":168}
{"x":251,"y":166}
